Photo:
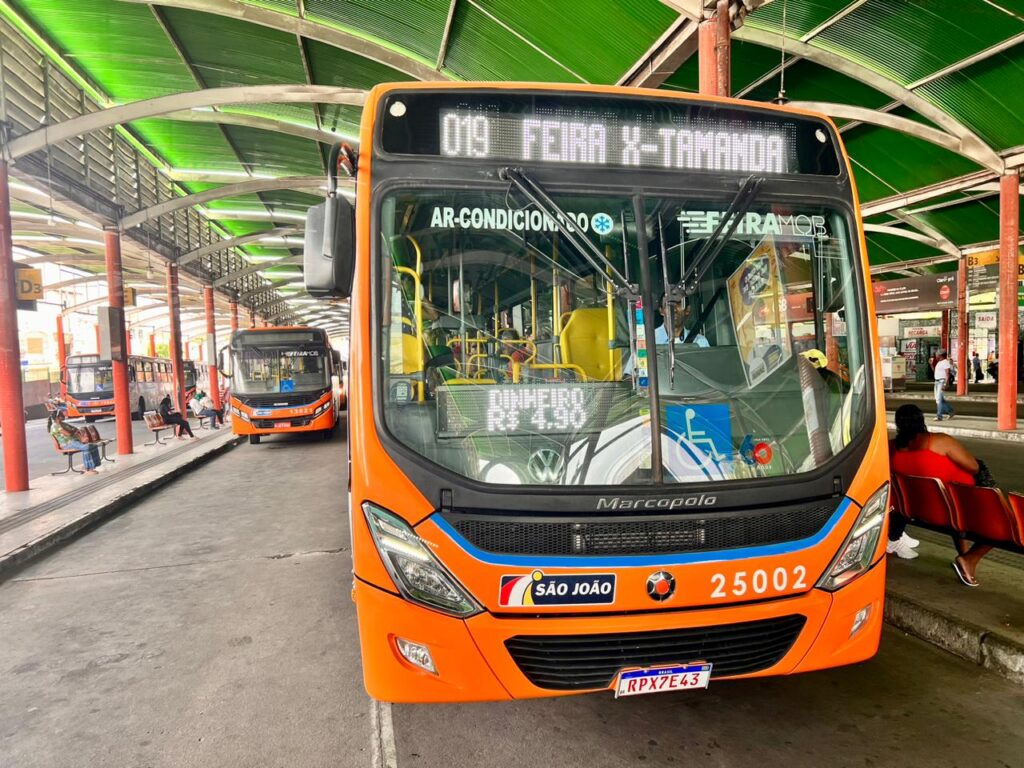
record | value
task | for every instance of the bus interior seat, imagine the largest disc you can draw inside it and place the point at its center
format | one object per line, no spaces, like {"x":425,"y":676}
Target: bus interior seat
{"x":584,"y":342}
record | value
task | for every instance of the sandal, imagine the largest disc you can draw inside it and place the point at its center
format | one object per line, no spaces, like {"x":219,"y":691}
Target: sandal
{"x":967,"y":580}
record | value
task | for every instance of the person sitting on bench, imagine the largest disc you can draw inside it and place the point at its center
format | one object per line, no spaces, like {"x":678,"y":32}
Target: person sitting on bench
{"x":915,"y":451}
{"x":170,"y":416}
{"x":202,"y":405}
{"x":67,"y":437}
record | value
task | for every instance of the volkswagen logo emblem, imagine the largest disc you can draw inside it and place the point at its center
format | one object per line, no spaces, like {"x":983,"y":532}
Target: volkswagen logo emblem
{"x":546,"y":465}
{"x":661,"y":585}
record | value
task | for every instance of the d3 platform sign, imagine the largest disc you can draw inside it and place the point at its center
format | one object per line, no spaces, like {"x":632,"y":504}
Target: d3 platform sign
{"x":30,"y":287}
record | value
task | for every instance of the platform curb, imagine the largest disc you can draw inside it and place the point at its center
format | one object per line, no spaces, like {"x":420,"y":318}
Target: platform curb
{"x":987,"y":649}
{"x":978,"y":434}
{"x":18,"y":558}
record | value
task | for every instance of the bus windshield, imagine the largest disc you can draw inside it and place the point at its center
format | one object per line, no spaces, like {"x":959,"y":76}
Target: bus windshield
{"x":265,"y":368}
{"x":512,"y":356}
{"x":85,"y":379}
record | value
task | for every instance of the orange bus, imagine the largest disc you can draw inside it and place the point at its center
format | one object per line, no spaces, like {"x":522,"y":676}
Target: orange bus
{"x":282,"y":381}
{"x":87,"y":385}
{"x":615,"y":417}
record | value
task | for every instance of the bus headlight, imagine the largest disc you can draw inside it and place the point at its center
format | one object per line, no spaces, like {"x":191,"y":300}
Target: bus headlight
{"x":419,"y":575}
{"x":855,"y":555}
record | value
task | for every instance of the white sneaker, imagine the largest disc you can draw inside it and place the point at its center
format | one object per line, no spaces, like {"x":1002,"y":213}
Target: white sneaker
{"x":909,"y":540}
{"x":901,"y":549}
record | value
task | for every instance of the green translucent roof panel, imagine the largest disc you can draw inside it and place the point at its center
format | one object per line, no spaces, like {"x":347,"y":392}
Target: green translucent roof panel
{"x":480,"y":48}
{"x":413,"y":25}
{"x":192,"y":146}
{"x":900,"y":162}
{"x":598,"y":40}
{"x":975,"y":222}
{"x":806,"y":81}
{"x":749,"y":62}
{"x":276,"y":154}
{"x":227,"y":52}
{"x":907,"y":41}
{"x":119,"y":46}
{"x":884,"y":248}
{"x":799,"y":17}
{"x":987,"y":97}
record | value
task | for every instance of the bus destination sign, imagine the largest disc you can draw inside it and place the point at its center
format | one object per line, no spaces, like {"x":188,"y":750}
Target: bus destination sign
{"x":612,"y":131}
{"x":616,"y":141}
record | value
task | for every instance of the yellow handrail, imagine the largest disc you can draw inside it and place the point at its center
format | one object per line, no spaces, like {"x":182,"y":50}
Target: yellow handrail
{"x":417,"y":313}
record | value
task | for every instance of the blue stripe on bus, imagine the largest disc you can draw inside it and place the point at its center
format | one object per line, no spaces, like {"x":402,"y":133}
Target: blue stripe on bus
{"x":626,"y":561}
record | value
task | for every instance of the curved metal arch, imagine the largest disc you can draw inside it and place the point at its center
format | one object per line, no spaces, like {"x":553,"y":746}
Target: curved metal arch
{"x":234,"y":242}
{"x":162,"y":105}
{"x":260,"y":123}
{"x":896,"y":123}
{"x":252,"y":186}
{"x":233,"y":276}
{"x":408,"y":63}
{"x":971,"y":144}
{"x":909,"y":234}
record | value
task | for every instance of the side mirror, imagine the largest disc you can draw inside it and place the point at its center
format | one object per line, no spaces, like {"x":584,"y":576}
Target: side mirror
{"x":329,"y":255}
{"x":224,"y":363}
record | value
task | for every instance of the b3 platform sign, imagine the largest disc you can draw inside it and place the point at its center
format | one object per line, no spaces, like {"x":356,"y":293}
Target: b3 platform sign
{"x":757,"y":302}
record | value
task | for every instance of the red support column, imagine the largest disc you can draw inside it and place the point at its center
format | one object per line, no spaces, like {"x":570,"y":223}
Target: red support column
{"x":97,"y":328}
{"x":252,"y":318}
{"x":211,"y":342}
{"x":115,"y":298}
{"x":127,"y":341}
{"x":174,"y":307}
{"x":152,"y":345}
{"x":714,"y":58}
{"x":234,"y":315}
{"x":944,"y":333}
{"x":1009,"y":238}
{"x":962,"y":332}
{"x":12,"y":403}
{"x":62,"y":345}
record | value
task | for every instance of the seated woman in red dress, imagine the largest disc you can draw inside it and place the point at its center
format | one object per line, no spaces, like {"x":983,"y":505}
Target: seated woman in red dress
{"x":915,"y":451}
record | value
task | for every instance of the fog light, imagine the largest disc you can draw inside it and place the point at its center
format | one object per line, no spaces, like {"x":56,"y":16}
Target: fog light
{"x":416,"y":654}
{"x":860,"y":619}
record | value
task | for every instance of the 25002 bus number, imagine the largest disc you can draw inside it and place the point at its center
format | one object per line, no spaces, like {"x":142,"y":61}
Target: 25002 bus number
{"x":758,"y":582}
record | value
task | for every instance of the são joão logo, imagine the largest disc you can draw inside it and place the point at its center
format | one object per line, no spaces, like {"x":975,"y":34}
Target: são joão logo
{"x":538,"y":588}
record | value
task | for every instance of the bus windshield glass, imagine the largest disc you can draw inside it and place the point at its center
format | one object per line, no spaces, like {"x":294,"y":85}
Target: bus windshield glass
{"x":267,"y":363}
{"x":84,"y":379}
{"x":515,"y":353}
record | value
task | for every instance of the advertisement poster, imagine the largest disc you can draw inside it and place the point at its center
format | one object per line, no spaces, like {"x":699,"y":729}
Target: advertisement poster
{"x":926,"y":293}
{"x":757,"y":302}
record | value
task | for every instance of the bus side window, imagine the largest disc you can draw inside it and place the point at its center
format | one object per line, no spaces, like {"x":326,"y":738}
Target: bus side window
{"x":131,"y":373}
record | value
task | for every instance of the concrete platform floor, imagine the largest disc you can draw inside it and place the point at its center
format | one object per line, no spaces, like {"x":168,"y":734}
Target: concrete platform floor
{"x":211,"y":626}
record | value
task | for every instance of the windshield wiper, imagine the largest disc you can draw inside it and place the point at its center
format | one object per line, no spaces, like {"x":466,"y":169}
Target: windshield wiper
{"x":533,"y":192}
{"x":728,"y":225}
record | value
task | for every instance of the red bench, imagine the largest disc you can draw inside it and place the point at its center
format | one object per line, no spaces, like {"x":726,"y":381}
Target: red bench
{"x":986,"y":515}
{"x":155,"y":424}
{"x":70,"y":453}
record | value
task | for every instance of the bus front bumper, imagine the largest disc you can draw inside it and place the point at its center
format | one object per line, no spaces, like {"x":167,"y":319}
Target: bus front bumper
{"x":325,"y":420}
{"x":474,"y":664}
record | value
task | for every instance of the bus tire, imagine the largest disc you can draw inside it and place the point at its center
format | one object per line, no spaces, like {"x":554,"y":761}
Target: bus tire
{"x":254,"y":439}
{"x":90,"y":419}
{"x":327,"y":434}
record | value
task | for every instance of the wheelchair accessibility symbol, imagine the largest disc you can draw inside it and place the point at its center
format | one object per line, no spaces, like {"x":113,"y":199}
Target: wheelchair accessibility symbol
{"x":703,"y":434}
{"x":602,"y":223}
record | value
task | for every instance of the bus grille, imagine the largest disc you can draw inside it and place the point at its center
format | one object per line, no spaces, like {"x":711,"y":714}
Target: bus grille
{"x":508,"y":535}
{"x":280,"y":399}
{"x":579,"y":662}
